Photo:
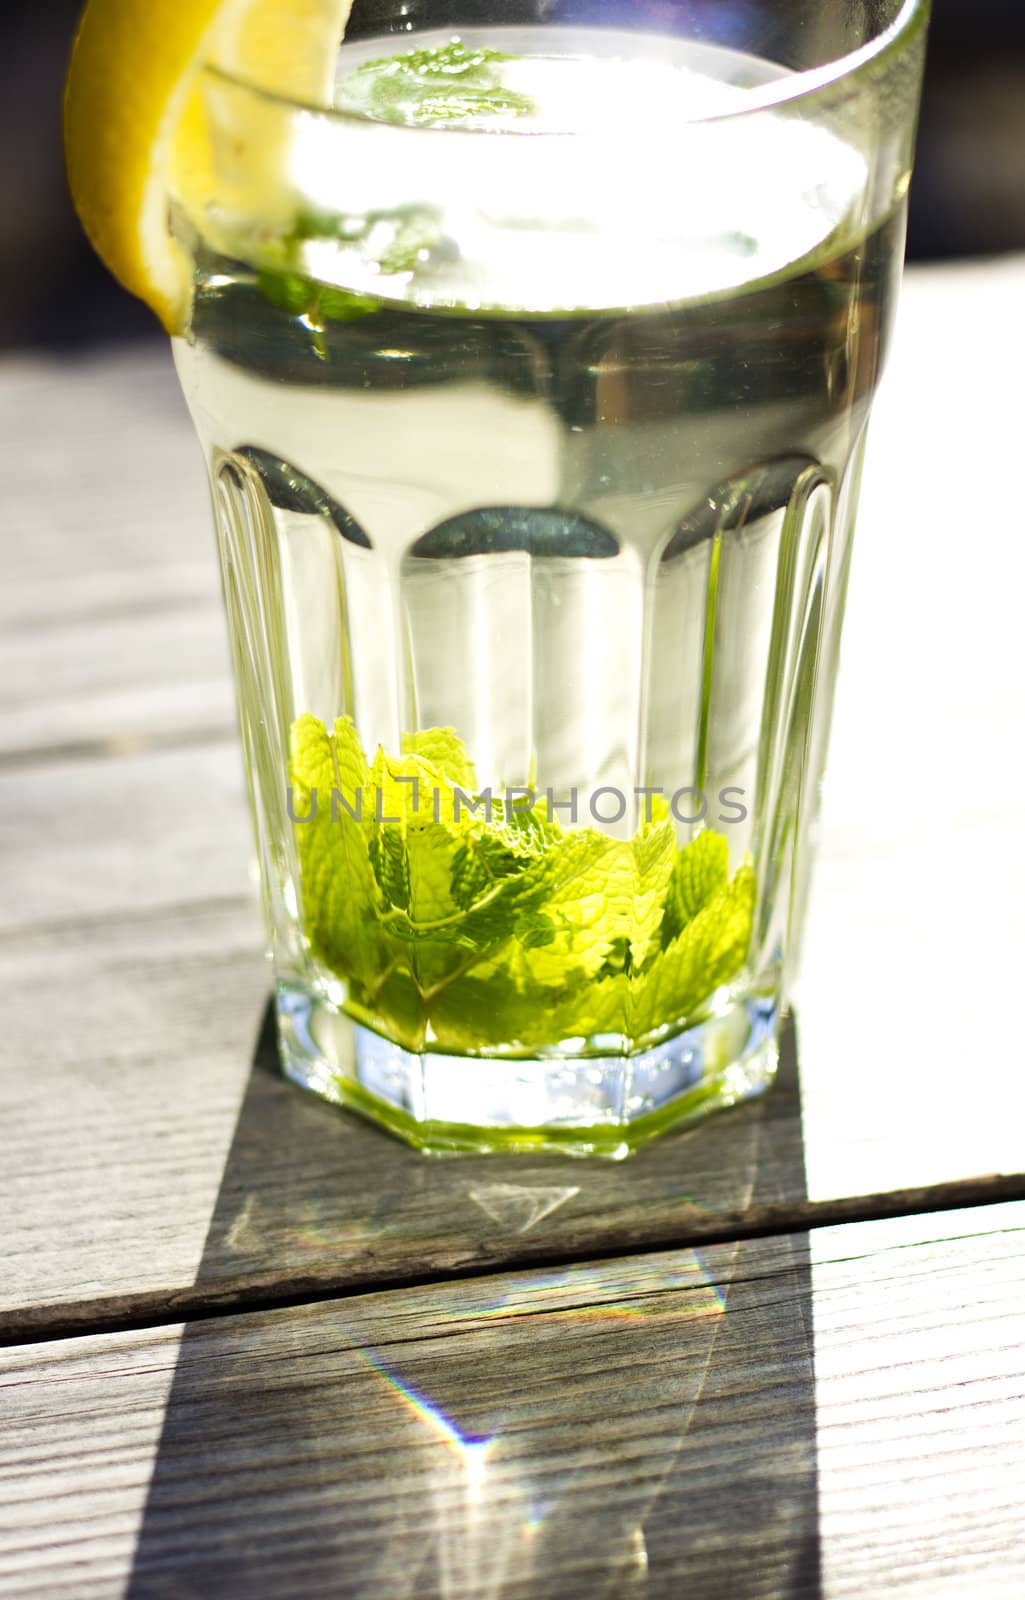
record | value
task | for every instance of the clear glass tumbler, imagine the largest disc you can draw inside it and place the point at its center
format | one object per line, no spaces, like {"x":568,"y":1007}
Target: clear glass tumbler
{"x":533,"y":380}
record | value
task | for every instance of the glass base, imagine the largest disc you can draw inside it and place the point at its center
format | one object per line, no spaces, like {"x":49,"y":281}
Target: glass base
{"x":603,"y":1105}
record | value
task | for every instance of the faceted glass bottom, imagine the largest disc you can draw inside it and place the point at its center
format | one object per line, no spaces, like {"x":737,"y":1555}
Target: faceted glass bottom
{"x":603,"y":1105}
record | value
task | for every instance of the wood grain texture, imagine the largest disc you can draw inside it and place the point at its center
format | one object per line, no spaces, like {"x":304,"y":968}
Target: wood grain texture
{"x":202,"y":1178}
{"x":741,"y":1421}
{"x":111,"y":632}
{"x":124,"y":1071}
{"x":201,"y":1186}
{"x":89,"y":842}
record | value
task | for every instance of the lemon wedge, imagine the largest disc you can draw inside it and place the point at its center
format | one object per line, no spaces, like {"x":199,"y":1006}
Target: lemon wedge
{"x":134,"y":128}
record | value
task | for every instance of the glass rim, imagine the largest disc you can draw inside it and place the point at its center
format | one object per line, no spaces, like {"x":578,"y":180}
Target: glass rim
{"x":796,"y":86}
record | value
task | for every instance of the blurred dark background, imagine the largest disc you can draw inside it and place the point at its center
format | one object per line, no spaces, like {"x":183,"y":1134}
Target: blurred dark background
{"x":968,"y":197}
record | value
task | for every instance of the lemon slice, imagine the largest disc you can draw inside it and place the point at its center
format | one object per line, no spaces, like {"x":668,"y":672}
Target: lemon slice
{"x":134,"y":128}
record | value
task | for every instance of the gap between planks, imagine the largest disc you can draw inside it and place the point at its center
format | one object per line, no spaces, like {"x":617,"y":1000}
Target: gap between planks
{"x":267,"y":1292}
{"x":116,"y":747}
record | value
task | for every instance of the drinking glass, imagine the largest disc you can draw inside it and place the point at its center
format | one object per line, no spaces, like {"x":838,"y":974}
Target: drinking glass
{"x":533,"y":381}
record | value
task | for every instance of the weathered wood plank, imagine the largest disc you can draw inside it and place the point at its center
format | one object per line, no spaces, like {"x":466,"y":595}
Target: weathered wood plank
{"x":100,"y":469}
{"x":91,"y":841}
{"x":202,"y":1183}
{"x":111,"y":630}
{"x":120,"y":1089}
{"x":200,"y":1177}
{"x":746,"y":1420}
{"x":102,"y":666}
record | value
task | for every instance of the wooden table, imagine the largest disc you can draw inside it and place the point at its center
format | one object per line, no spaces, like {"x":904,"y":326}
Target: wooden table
{"x":256,"y":1348}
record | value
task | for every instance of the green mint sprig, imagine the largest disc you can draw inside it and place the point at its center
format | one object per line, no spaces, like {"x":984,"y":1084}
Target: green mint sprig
{"x":440,"y":87}
{"x":509,"y":930}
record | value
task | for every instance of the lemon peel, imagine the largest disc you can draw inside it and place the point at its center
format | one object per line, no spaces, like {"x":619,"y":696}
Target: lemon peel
{"x":135,"y":134}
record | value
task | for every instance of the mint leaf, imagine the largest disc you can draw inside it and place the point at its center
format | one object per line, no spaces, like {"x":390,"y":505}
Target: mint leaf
{"x":487,"y":855}
{"x":655,"y":861}
{"x":441,"y":86}
{"x":305,"y":297}
{"x":603,"y":906}
{"x":340,"y":900}
{"x":455,"y":883}
{"x":502,"y":930}
{"x":701,"y":871}
{"x":707,"y":953}
{"x":445,"y":751}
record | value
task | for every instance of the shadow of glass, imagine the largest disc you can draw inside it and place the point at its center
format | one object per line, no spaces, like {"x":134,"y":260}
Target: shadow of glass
{"x":625,"y":1427}
{"x":314,"y":1200}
